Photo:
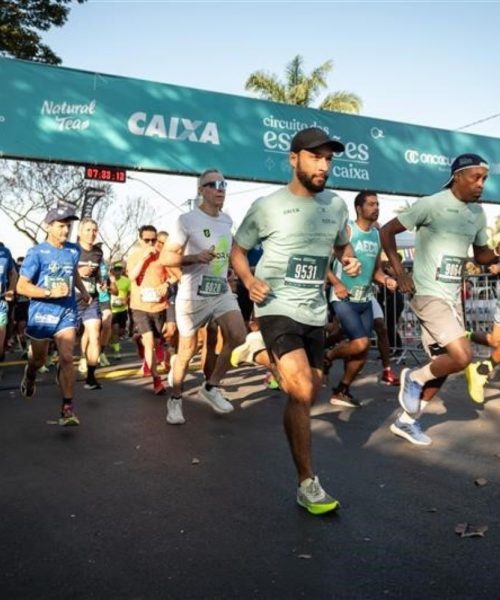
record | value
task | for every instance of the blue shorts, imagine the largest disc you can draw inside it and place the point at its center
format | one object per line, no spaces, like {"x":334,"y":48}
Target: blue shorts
{"x":46,"y":325}
{"x":89,"y":312}
{"x":4,"y":313}
{"x":356,"y":318}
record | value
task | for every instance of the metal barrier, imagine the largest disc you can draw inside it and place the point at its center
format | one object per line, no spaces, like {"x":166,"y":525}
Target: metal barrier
{"x":479,"y":295}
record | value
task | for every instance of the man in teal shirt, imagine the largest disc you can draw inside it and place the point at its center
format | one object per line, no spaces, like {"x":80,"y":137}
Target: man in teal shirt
{"x":299,"y":226}
{"x":447,"y":223}
{"x":351,"y":297}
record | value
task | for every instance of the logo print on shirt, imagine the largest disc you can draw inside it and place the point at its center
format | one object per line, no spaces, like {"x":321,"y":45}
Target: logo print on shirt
{"x":206,"y":232}
{"x":53,"y":267}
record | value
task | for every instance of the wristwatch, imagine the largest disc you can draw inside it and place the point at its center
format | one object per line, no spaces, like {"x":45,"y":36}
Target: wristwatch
{"x":48,"y":293}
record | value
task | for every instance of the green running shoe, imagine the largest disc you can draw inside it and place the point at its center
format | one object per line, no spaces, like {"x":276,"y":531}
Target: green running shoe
{"x":313,"y":497}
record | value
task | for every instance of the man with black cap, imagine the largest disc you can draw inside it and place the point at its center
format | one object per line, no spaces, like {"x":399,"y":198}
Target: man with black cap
{"x":49,"y":276}
{"x":300,"y":226}
{"x":446,"y":224}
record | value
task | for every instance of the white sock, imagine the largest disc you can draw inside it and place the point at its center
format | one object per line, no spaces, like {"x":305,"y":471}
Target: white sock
{"x":423,"y":375}
{"x":404,"y":417}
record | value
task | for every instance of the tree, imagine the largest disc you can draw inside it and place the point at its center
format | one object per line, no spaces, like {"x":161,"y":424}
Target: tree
{"x":302,"y":89}
{"x":29,"y":189}
{"x":119,"y":224}
{"x":20,"y":20}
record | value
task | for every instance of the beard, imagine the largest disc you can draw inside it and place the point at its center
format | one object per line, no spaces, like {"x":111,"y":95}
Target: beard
{"x":307,"y":181}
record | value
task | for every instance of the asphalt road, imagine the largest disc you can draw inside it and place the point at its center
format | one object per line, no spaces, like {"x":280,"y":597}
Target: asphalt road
{"x":128,"y":507}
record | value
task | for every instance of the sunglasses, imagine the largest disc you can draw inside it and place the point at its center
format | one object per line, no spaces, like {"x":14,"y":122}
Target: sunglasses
{"x":216,"y":185}
{"x":149,"y":240}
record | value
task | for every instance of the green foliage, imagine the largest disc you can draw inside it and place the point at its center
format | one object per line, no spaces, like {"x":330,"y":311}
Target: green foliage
{"x":20,"y":22}
{"x":302,"y":89}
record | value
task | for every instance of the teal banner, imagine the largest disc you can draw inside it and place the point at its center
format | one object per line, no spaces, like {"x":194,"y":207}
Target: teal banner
{"x":65,"y":115}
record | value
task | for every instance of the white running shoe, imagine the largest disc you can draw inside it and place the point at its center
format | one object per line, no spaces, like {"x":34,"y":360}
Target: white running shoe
{"x":82,"y":366}
{"x":245,"y":353}
{"x":104,"y":360}
{"x":174,"y":412}
{"x":216,"y":400}
{"x":170,"y":376}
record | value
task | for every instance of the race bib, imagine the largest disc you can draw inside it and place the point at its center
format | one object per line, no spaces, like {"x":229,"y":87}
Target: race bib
{"x":212,"y":286}
{"x":450,"y":270}
{"x":149,"y":294}
{"x":306,"y":271}
{"x":90,"y":285}
{"x":359,"y":293}
{"x":117,"y":302}
{"x":52,"y":280}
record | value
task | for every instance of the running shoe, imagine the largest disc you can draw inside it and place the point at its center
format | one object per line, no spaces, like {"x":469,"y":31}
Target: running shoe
{"x":216,"y":400}
{"x":158,"y":386}
{"x":170,"y":376}
{"x":314,"y":499}
{"x":174,"y":412}
{"x":82,"y":366}
{"x":271,"y":382}
{"x":253,"y":344}
{"x":93,"y":384}
{"x":344,"y":398}
{"x":27,"y":386}
{"x":409,"y":393}
{"x":116,"y":348}
{"x":411,"y":432}
{"x":68,"y":418}
{"x":389,"y":377}
{"x":104,"y":360}
{"x":476,"y":375}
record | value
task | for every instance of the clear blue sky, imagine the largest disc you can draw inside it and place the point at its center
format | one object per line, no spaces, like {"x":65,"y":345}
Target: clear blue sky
{"x":430,"y":63}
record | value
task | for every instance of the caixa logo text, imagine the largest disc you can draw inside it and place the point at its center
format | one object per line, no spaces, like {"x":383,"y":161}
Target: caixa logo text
{"x":414,"y":158}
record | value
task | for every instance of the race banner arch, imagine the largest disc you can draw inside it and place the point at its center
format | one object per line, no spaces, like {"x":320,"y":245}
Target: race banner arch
{"x":65,"y":115}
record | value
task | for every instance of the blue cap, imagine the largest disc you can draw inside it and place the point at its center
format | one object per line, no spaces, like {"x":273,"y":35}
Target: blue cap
{"x":60,"y":213}
{"x":465,"y":161}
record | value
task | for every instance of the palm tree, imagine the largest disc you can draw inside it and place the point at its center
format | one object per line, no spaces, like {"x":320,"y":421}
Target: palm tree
{"x":302,"y":89}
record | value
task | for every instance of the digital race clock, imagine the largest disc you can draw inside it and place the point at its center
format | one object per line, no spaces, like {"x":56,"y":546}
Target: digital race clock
{"x":111,"y":174}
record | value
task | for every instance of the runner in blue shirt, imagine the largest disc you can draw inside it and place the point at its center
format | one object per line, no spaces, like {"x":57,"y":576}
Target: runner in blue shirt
{"x":8,"y":278}
{"x":49,"y":276}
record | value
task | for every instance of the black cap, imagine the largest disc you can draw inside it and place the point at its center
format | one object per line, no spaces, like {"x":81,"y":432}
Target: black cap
{"x":60,"y":213}
{"x":465,"y":161}
{"x":313,"y":137}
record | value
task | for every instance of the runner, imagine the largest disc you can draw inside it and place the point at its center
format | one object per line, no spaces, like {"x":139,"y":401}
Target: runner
{"x":351,"y":297}
{"x":104,"y":288}
{"x":148,"y":298}
{"x":120,"y":297}
{"x":89,"y":266}
{"x":21,"y":304}
{"x":446,"y":224}
{"x":299,"y":226}
{"x":479,"y":373}
{"x":199,"y":244}
{"x":8,"y":279}
{"x":49,"y":276}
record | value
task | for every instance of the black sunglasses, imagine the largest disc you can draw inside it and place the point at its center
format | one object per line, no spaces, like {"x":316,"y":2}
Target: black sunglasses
{"x":149,"y":240}
{"x":216,"y":185}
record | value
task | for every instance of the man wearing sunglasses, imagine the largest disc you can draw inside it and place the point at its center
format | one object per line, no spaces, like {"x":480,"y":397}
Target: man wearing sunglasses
{"x":200,"y":243}
{"x":148,"y":297}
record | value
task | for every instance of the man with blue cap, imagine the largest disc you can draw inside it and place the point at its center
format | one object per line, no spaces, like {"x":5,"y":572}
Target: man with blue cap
{"x":446,"y":224}
{"x":49,"y":276}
